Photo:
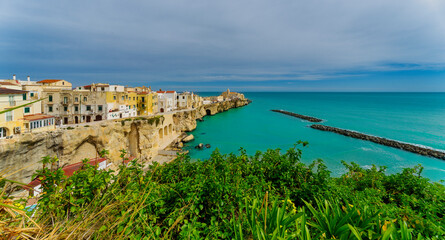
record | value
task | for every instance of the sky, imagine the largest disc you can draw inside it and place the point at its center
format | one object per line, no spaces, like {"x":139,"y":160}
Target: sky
{"x":202,"y":45}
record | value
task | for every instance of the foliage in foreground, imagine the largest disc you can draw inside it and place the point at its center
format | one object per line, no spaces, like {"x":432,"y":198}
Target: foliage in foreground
{"x":265,"y":196}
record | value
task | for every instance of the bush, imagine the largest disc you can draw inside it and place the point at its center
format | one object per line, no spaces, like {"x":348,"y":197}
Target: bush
{"x":266,"y":196}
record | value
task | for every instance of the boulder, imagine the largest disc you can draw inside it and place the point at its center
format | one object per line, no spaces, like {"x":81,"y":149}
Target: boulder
{"x":200,"y":146}
{"x":189,"y":138}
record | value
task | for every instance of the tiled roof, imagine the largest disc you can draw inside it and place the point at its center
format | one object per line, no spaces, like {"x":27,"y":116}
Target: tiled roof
{"x":38,"y":116}
{"x":68,"y":171}
{"x":49,"y":80}
{"x":11,"y":91}
{"x":8,"y":83}
{"x":165,"y":91}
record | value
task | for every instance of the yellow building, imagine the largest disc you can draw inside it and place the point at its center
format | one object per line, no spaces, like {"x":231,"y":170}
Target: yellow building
{"x":20,"y":119}
{"x":9,"y":121}
{"x":147,"y":103}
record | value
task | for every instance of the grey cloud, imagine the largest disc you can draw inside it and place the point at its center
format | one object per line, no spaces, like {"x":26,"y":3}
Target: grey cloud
{"x":166,"y":39}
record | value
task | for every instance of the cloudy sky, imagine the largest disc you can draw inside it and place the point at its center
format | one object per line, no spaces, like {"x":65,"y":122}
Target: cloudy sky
{"x":258,"y":45}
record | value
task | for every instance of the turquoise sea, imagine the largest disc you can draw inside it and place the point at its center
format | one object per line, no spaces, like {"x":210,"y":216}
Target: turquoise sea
{"x":417,"y":118}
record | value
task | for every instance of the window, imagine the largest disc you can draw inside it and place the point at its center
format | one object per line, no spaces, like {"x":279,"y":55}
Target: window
{"x":85,"y":99}
{"x":11,"y":100}
{"x":99,"y":107}
{"x":183,"y":97}
{"x":24,"y":96}
{"x":129,"y":107}
{"x":114,"y":97}
{"x":63,"y":83}
{"x":88,"y":108}
{"x":27,"y":110}
{"x":76,"y":99}
{"x":134,"y":98}
{"x":3,"y":132}
{"x":143,"y":106}
{"x":134,"y":106}
{"x":50,"y":98}
{"x":143,"y":99}
{"x":65,"y":108}
{"x":65,"y":100}
{"x":102,"y":88}
{"x":76,"y":108}
{"x":9,"y":116}
{"x":50,"y":108}
{"x":32,"y":94}
{"x":122,"y":97}
{"x":126,"y":96}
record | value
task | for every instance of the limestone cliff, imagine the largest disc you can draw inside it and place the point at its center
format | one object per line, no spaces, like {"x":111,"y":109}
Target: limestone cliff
{"x":142,"y":137}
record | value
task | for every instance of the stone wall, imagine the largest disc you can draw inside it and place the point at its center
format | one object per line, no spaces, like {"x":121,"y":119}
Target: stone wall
{"x":20,"y":157}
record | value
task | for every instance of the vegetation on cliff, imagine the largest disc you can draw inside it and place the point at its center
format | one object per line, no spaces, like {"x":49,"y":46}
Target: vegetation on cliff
{"x":266,"y":196}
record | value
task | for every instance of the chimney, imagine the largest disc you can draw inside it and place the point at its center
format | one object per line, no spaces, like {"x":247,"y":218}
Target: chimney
{"x":29,"y":79}
{"x":13,"y":77}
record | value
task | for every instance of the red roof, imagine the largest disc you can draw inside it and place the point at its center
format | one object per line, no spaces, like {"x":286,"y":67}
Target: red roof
{"x":38,"y":116}
{"x":68,"y":171}
{"x":11,"y":91}
{"x":49,"y":80}
{"x":8,"y":83}
{"x":166,"y":91}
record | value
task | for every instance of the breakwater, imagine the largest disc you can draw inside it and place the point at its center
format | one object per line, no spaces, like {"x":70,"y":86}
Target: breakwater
{"x":425,"y":151}
{"x":304,"y":117}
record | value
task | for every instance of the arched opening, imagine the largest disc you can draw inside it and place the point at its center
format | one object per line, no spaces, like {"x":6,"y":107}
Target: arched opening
{"x":88,"y":118}
{"x":76,"y":119}
{"x":65,"y":120}
{"x":120,"y":115}
{"x":98,"y":118}
{"x":165,"y":131}
{"x":208,"y":112}
{"x":161,"y":133}
{"x":133,"y":140}
{"x":170,"y":129}
{"x":4,"y":132}
{"x":162,"y":110}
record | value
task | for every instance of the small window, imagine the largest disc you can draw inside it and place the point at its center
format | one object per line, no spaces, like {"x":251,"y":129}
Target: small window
{"x":76,"y":108}
{"x":9,"y":116}
{"x":85,"y":99}
{"x":63,"y":83}
{"x":27,"y":110}
{"x":143,"y":99}
{"x":50,"y":108}
{"x":65,"y":109}
{"x":99,"y":107}
{"x":32,"y":94}
{"x":24,"y":96}
{"x":65,"y":100}
{"x":76,"y":99}
{"x":102,"y":88}
{"x":114,"y":97}
{"x":126,"y":96}
{"x":88,"y":108}
{"x":122,"y":97}
{"x":50,"y":98}
{"x":134,"y":98}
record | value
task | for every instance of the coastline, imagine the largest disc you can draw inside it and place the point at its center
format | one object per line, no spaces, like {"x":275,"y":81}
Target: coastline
{"x":143,"y":137}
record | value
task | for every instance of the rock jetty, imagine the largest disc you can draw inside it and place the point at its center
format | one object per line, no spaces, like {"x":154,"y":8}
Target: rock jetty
{"x":425,"y":151}
{"x":304,"y":117}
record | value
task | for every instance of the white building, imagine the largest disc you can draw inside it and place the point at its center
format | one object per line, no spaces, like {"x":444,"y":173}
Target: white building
{"x":123,"y":112}
{"x":167,"y":101}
